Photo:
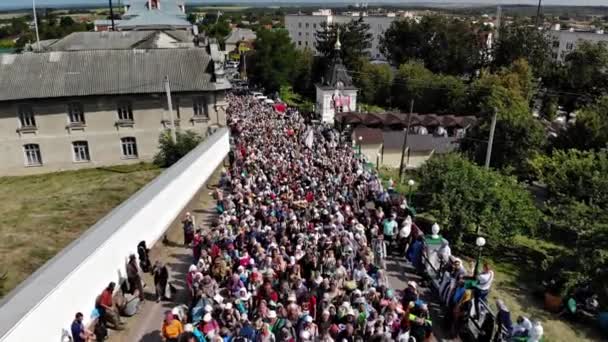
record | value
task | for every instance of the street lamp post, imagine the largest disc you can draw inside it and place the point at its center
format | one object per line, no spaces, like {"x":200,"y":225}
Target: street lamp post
{"x":360,"y":142}
{"x":378,"y":162}
{"x":410,"y":184}
{"x":480,"y":242}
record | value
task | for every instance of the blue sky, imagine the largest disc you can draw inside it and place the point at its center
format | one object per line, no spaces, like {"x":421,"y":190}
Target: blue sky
{"x":25,"y":3}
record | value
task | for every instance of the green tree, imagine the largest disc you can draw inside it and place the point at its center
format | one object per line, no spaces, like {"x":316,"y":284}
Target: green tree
{"x":518,"y":41}
{"x":578,"y":175}
{"x":518,"y":135}
{"x":275,"y":60}
{"x":374,"y":83}
{"x":577,"y":184}
{"x":170,"y":152}
{"x":445,"y":45}
{"x":590,"y":129}
{"x":66,"y":22}
{"x":462,"y":196}
{"x":354,"y":37}
{"x":587,"y":71}
{"x":432,"y":93}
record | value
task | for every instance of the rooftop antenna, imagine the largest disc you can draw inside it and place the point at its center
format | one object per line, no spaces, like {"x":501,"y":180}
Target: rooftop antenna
{"x":538,"y":12}
{"x":36,"y":25}
{"x":498,"y":20}
{"x":112,"y":15}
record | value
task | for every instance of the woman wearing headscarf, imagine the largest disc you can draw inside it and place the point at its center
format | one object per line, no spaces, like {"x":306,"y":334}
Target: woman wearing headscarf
{"x":161,"y":277}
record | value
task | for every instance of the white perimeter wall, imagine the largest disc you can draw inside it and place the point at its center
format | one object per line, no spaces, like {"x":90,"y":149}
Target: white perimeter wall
{"x":27,"y":315}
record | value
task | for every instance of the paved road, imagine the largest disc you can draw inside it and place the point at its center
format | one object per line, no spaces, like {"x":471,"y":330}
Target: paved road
{"x":145,"y":326}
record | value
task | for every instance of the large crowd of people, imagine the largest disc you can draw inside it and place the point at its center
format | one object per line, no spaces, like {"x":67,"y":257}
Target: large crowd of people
{"x":298,"y":248}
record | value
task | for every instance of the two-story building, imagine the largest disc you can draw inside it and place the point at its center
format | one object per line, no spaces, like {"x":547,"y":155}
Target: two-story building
{"x":65,"y":110}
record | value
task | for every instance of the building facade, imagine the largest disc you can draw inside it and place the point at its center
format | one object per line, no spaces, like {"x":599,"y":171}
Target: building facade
{"x":56,"y":114}
{"x":565,"y":41}
{"x":302,"y":27}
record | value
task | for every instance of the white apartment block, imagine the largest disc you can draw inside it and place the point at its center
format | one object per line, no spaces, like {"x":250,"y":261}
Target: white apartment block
{"x":565,"y":41}
{"x":302,"y":27}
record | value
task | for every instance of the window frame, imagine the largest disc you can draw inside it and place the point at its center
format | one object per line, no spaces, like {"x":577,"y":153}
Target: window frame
{"x":200,"y":107}
{"x":77,"y":154}
{"x":30,"y":116}
{"x":72,"y":114}
{"x":124,"y":111}
{"x":30,"y":150}
{"x":129,"y":143}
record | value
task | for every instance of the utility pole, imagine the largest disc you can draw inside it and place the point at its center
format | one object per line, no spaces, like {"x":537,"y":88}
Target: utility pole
{"x":407,"y":132}
{"x":538,"y":12}
{"x":491,"y":139}
{"x":112,"y":15}
{"x":170,"y":106}
{"x":36,"y":25}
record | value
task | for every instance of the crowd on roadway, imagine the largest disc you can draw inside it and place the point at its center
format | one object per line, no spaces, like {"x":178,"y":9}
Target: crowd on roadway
{"x":298,"y":248}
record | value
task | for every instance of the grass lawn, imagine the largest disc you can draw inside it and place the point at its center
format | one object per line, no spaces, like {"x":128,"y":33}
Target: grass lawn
{"x":516,"y":284}
{"x":41,"y":214}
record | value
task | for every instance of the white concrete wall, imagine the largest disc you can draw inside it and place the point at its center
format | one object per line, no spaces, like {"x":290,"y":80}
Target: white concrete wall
{"x":145,"y":216}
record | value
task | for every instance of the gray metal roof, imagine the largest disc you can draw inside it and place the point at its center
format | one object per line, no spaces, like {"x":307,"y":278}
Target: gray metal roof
{"x":35,"y":288}
{"x":100,"y":40}
{"x":393,"y":140}
{"x":239,"y":34}
{"x":109,"y":40}
{"x":103,"y":72}
{"x":154,"y":19}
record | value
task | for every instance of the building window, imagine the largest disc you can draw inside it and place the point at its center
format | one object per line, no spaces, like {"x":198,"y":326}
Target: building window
{"x":199,"y":105}
{"x":32,"y":155}
{"x":314,"y":25}
{"x":300,"y":25}
{"x":129,"y":147}
{"x":299,"y":33}
{"x":125,"y":111}
{"x":556,"y":43}
{"x":307,"y":25}
{"x":569,"y":45}
{"x":299,"y":43}
{"x":81,"y":151}
{"x":554,"y":55}
{"x":76,"y":113}
{"x":307,"y":34}
{"x":26,"y":117}
{"x":306,"y":43}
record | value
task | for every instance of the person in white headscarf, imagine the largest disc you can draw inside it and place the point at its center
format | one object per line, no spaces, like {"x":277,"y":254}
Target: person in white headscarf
{"x":404,"y":234}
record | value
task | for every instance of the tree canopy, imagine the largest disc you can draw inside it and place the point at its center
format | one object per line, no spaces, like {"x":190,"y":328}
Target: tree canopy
{"x":444,"y":45}
{"x":432,"y":93}
{"x":275,"y":61}
{"x":577,"y":184}
{"x":590,"y":129}
{"x":374,"y":82}
{"x":518,"y":41}
{"x":518,"y":135}
{"x":463,"y":196}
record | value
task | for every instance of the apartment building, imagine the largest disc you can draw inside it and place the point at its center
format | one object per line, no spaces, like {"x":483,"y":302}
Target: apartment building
{"x":67,"y":110}
{"x":565,"y":41}
{"x":302,"y":27}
